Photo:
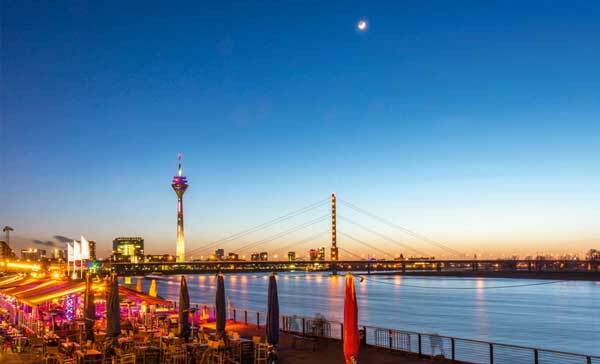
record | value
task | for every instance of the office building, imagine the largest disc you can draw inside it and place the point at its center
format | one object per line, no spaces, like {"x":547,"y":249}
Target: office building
{"x":321,"y":254}
{"x":33,"y":254}
{"x":219,"y":254}
{"x":59,"y":255}
{"x":291,"y":256}
{"x":92,"y":250}
{"x":233,"y":256}
{"x":5,"y":251}
{"x":128,"y":249}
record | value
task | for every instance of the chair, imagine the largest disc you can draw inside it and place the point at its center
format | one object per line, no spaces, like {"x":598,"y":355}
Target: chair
{"x":107,"y":359}
{"x":151,"y":356}
{"x":260,"y":352}
{"x":234,"y":354}
{"x":205,"y":357}
{"x":51,"y":359}
{"x":178,"y":359}
{"x":126,"y":359}
{"x":37,"y":344}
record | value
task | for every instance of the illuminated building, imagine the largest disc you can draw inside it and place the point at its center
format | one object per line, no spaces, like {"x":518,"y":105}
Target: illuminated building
{"x":321,"y":253}
{"x":219,"y":254}
{"x":92,"y":250}
{"x":255,"y":257}
{"x":59,"y":255}
{"x":33,"y":254}
{"x":291,"y":256}
{"x":233,"y":256}
{"x":5,"y":251}
{"x":313,"y":254}
{"x":128,"y":249}
{"x":180,"y":185}
{"x":264,"y":256}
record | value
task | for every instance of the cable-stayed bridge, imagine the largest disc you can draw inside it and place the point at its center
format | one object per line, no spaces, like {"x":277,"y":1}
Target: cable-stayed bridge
{"x":387,"y":254}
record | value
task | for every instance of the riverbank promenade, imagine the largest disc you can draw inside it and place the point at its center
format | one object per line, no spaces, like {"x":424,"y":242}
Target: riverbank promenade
{"x":292,"y":350}
{"x":99,"y":321}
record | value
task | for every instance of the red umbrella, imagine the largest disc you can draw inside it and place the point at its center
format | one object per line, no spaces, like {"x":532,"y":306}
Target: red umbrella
{"x":351,"y":336}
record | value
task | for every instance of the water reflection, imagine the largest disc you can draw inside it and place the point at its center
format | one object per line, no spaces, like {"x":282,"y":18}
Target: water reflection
{"x":560,"y":316}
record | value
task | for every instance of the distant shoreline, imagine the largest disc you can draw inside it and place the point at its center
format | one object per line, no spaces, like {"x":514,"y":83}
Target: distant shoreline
{"x":567,"y":276}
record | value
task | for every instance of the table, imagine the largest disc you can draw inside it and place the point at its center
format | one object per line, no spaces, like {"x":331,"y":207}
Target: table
{"x":88,"y":356}
{"x":68,"y":347}
{"x":51,"y":339}
{"x":194,"y":349}
{"x":20,"y":342}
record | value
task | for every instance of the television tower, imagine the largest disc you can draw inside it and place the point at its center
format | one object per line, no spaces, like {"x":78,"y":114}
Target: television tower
{"x":179,"y":185}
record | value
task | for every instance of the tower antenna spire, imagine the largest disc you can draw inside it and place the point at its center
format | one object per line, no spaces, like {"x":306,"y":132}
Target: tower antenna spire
{"x":179,"y":168}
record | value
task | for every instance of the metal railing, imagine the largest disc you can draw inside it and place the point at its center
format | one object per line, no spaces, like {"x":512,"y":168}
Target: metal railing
{"x":422,"y":344}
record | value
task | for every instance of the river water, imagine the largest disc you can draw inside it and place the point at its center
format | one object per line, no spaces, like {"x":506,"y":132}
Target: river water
{"x":561,"y":315}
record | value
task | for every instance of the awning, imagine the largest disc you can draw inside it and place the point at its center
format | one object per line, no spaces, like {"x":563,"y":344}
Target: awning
{"x":139,"y":297}
{"x":36,"y":291}
{"x":15,"y":281}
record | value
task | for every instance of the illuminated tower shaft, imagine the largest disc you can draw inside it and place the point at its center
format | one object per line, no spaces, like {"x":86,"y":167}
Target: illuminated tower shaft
{"x":179,"y":185}
{"x":334,"y":248}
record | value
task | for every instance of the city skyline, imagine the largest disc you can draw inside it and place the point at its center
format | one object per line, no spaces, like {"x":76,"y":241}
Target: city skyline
{"x":477,"y":130}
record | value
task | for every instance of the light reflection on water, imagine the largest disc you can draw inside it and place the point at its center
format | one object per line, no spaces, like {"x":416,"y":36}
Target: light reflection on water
{"x":562,"y":316}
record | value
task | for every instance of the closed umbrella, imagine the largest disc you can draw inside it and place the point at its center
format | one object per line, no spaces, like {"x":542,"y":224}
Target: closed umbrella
{"x":351,"y":336}
{"x":220,"y":307}
{"x":138,"y":284}
{"x":113,"y":315}
{"x":89,"y":308}
{"x":153,"y":291}
{"x":183,"y":330}
{"x":272,"y":312}
{"x":272,"y":317}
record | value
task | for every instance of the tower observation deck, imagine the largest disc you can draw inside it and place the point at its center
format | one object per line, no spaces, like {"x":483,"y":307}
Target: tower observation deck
{"x":180,"y":185}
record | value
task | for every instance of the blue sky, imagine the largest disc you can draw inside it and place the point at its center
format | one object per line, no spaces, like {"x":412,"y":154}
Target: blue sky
{"x":475,"y":123}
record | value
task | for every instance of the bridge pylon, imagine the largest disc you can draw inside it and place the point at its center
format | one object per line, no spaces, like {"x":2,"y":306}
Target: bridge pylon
{"x":334,"y":256}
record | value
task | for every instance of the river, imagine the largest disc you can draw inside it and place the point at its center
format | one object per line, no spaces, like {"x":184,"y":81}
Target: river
{"x":561,"y":315}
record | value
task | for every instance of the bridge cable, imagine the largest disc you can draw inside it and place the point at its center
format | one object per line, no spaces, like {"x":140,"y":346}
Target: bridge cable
{"x":349,"y":252}
{"x":284,"y":233}
{"x":302,"y":241}
{"x":261,"y":226}
{"x":383,"y":236}
{"x":366,"y":244}
{"x":405,"y":230}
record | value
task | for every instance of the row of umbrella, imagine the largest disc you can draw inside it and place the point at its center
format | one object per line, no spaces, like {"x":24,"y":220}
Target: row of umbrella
{"x":113,"y":323}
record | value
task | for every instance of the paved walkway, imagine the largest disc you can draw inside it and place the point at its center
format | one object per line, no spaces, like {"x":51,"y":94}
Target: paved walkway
{"x":325,"y":351}
{"x":291,"y":351}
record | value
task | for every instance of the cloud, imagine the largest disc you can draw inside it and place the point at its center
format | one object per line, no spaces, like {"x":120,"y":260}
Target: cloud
{"x":45,"y":243}
{"x":63,"y":239}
